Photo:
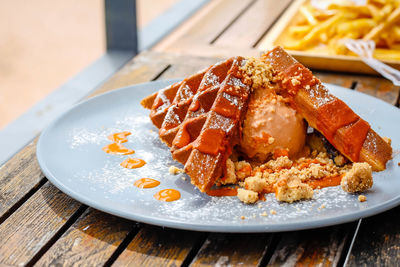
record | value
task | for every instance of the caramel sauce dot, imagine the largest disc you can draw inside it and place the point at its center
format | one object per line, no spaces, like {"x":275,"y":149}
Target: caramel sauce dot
{"x":117,"y":149}
{"x":119,"y":137}
{"x":131,"y":163}
{"x":146,"y":183}
{"x":168,"y":195}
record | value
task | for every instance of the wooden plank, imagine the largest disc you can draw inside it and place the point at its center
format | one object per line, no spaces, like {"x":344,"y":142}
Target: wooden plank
{"x":320,"y":247}
{"x":18,"y":177}
{"x":232,"y":250}
{"x":158,"y":246}
{"x":377,"y":242}
{"x":143,"y":68}
{"x":184,"y":66}
{"x":34,"y":224}
{"x":371,"y":85}
{"x":252,"y":24}
{"x":340,"y":79}
{"x":206,"y":26}
{"x":214,"y":51}
{"x":90,"y":241}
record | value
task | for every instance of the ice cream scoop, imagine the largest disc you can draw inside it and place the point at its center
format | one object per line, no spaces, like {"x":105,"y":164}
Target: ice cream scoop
{"x":271,"y":124}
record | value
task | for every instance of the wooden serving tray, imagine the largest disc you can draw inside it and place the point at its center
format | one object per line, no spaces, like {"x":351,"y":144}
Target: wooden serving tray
{"x":319,"y":58}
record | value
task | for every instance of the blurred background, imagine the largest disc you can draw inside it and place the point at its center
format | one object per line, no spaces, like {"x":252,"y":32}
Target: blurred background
{"x":44,"y":43}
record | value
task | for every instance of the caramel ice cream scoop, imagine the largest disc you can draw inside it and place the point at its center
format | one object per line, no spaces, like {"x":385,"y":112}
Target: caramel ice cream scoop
{"x":271,"y":124}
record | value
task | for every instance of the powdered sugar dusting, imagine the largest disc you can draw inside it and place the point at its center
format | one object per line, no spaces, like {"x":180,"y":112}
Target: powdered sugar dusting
{"x":115,"y":181}
{"x":96,"y":178}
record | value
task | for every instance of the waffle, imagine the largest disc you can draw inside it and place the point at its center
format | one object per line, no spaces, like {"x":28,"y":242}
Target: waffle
{"x":340,"y":125}
{"x":199,"y":118}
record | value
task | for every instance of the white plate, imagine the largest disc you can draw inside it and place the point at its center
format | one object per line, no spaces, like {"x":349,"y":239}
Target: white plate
{"x":70,"y":154}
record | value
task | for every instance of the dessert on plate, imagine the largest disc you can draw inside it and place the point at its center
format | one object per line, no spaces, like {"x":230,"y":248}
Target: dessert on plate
{"x":267,"y":125}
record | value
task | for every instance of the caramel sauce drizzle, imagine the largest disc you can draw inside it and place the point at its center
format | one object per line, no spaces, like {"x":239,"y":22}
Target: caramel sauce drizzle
{"x":222,"y":192}
{"x":146,"y":183}
{"x":119,"y":137}
{"x":133,"y":163}
{"x":168,"y":195}
{"x":117,"y":149}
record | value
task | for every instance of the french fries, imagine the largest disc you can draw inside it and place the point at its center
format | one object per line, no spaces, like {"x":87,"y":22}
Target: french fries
{"x":377,"y":20}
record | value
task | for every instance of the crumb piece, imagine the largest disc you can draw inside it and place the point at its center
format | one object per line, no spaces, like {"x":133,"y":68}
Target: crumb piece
{"x":243,"y":169}
{"x":247,"y":196}
{"x":259,"y":205}
{"x":362,"y":198}
{"x":339,"y":160}
{"x":316,"y":144}
{"x":230,"y":177}
{"x":358,"y":179}
{"x":273,"y":212}
{"x":387,"y":140}
{"x":323,"y":206}
{"x":295,"y":82}
{"x":398,"y":164}
{"x":183,"y":178}
{"x":255,"y":183}
{"x":175,"y":170}
{"x":264,"y":214}
{"x":292,"y":190}
{"x":281,"y":163}
{"x":242,"y":217}
{"x":271,"y":140}
{"x":257,"y":71}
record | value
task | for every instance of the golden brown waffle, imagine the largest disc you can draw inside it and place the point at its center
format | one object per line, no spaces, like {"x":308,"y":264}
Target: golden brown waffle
{"x":340,"y":125}
{"x":199,"y":118}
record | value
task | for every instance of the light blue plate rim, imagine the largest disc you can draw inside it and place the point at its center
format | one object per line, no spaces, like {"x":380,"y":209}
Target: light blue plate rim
{"x":242,"y":228}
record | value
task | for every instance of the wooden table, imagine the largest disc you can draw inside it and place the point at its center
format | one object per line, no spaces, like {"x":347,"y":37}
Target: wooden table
{"x":39,"y":225}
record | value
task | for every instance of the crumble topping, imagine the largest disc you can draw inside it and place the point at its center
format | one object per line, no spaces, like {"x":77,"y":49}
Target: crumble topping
{"x":174,"y":170}
{"x":280,"y":163}
{"x":294,"y":180}
{"x":292,"y":189}
{"x":358,"y":179}
{"x":362,"y":198}
{"x":256,"y":183}
{"x":258,"y":72}
{"x":247,"y":196}
{"x":339,"y":160}
{"x":264,"y":214}
{"x":243,"y":169}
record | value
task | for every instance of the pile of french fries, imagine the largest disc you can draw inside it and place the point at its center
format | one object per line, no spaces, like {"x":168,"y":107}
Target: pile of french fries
{"x":377,"y":20}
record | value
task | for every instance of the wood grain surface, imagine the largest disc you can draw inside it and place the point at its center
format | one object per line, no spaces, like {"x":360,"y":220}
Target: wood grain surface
{"x":42,"y":226}
{"x":156,"y":246}
{"x":320,"y":247}
{"x":29,"y":229}
{"x":19,"y":177}
{"x":110,"y":240}
{"x":90,"y":241}
{"x":378,"y":241}
{"x":233,"y":250}
{"x":252,"y":24}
